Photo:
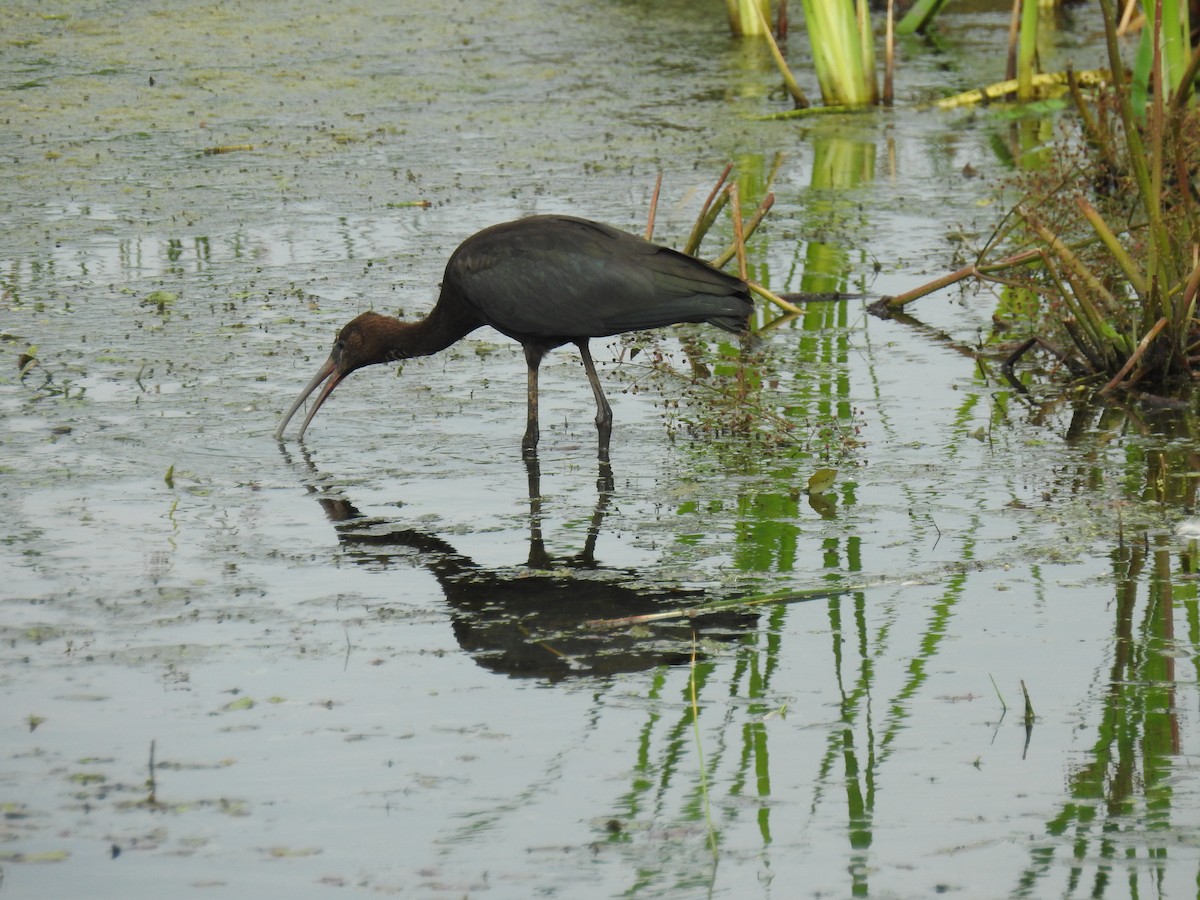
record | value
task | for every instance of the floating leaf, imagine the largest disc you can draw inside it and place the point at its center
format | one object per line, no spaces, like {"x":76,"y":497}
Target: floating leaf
{"x":161,"y":299}
{"x":289,"y":852}
{"x":27,"y":361}
{"x":87,"y":778}
{"x":50,"y":856}
{"x":821,"y":480}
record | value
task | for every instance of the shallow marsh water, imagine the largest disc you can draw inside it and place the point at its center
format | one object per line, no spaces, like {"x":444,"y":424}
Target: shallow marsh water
{"x":349,"y":674}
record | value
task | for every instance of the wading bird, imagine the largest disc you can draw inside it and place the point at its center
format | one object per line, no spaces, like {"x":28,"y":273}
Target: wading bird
{"x":544,"y":281}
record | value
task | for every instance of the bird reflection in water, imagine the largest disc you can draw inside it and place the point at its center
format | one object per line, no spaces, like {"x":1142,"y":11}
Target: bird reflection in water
{"x":530,"y":620}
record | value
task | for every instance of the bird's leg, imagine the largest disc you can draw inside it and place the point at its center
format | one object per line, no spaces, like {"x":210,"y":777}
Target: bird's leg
{"x":529,"y":443}
{"x":604,"y":416}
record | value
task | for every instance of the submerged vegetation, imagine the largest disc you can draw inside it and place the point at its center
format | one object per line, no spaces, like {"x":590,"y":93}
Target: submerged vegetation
{"x":724,"y":387}
{"x":733,"y":391}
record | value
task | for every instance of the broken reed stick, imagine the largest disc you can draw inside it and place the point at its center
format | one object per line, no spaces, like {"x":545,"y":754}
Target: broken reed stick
{"x":698,"y":229}
{"x":799,"y":100}
{"x":152,"y":781}
{"x":739,"y":240}
{"x":748,"y":230}
{"x":653,"y":207}
{"x":1137,"y":354}
{"x":785,"y":305}
{"x":693,"y":612}
{"x":899,"y":301}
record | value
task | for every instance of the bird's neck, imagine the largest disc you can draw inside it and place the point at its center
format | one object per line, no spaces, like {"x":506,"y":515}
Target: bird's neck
{"x":430,"y":335}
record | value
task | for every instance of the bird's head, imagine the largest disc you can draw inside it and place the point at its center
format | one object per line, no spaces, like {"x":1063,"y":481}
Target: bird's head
{"x":363,"y":341}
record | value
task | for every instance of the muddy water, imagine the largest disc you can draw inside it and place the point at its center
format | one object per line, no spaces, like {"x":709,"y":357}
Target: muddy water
{"x":357,"y":663}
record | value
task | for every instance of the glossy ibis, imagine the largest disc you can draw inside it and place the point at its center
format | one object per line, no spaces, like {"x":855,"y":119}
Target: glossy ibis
{"x":544,"y":281}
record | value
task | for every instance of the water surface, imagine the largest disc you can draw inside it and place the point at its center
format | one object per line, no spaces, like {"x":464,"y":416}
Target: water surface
{"x":358,"y":661}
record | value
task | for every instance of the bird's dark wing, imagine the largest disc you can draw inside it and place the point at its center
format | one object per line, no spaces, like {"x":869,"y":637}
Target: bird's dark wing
{"x":558,"y":277}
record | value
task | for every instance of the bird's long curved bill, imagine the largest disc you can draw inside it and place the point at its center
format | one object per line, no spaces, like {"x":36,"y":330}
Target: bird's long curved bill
{"x":328,"y":370}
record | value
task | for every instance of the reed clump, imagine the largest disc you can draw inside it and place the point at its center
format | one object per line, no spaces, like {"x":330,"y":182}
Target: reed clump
{"x":1111,"y":238}
{"x":1104,"y":245}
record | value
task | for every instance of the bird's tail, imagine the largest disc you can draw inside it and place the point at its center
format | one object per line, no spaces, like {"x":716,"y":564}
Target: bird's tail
{"x":732,"y":324}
